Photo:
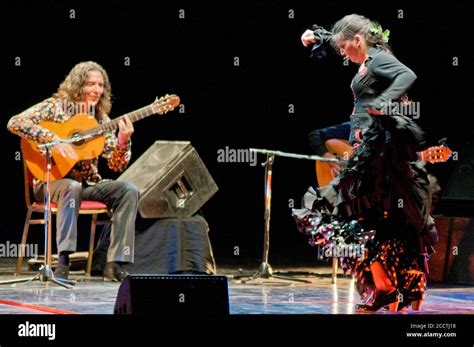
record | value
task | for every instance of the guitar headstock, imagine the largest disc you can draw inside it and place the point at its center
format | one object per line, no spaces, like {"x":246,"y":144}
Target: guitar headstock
{"x":436,"y":154}
{"x":165,"y":104}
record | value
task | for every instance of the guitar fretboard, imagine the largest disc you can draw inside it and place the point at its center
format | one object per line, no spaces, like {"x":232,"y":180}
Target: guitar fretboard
{"x":114,"y":124}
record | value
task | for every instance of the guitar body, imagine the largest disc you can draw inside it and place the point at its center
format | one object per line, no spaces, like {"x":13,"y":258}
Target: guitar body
{"x":337,"y":148}
{"x":88,"y":147}
{"x":61,"y":166}
{"x":342,"y":150}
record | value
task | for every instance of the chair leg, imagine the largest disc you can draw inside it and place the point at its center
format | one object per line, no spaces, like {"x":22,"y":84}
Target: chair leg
{"x":91,"y":245}
{"x":23,"y":242}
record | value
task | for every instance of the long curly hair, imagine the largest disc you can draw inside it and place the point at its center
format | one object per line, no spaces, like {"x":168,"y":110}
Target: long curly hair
{"x":73,"y":86}
{"x":352,"y":24}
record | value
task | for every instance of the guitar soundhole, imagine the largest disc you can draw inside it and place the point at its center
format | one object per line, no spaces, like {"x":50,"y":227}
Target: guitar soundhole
{"x":77,"y":143}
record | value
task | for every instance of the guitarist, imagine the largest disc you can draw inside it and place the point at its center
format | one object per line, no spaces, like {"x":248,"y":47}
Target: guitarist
{"x":317,"y":142}
{"x":86,"y":87}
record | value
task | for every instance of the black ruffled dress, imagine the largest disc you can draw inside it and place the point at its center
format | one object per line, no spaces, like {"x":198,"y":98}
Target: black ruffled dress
{"x":380,"y":202}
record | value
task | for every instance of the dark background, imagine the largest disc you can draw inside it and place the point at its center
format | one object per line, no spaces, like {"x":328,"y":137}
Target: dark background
{"x":238,"y":107}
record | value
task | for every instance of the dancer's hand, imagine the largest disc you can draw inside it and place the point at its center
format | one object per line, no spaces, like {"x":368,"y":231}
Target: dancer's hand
{"x":308,"y":38}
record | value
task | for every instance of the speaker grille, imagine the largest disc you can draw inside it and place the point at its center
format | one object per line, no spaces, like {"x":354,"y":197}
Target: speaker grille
{"x":172,"y":179}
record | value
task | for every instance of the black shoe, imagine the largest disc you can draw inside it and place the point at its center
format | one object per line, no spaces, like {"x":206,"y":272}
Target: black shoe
{"x":62,"y":271}
{"x":114,"y":272}
{"x":96,"y":272}
{"x":383,"y":299}
{"x":408,"y":298}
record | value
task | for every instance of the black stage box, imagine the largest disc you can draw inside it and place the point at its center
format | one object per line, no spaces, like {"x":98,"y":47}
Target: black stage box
{"x":174,"y":296}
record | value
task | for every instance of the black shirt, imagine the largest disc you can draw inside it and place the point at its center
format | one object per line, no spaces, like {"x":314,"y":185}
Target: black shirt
{"x":383,"y":80}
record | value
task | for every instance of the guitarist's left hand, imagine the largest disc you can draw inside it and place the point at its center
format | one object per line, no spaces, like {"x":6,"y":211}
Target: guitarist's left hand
{"x":125,"y":131}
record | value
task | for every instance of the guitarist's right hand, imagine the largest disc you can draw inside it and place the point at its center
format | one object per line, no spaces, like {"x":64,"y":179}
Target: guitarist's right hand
{"x":66,"y":150}
{"x":335,"y":167}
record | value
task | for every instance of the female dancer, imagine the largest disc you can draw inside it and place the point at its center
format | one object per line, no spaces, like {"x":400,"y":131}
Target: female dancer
{"x":381,"y":189}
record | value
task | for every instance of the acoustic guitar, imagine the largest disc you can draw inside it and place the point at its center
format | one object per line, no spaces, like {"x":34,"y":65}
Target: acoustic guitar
{"x":84,"y":125}
{"x":342,"y":150}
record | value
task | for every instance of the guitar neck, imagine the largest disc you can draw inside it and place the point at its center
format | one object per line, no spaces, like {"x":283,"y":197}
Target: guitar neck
{"x":114,"y":124}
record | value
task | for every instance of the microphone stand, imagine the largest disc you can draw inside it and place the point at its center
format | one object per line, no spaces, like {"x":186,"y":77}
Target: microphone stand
{"x":45,"y":273}
{"x":265,"y":270}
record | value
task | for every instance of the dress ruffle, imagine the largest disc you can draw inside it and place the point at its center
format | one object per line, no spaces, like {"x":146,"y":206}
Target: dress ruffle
{"x":380,"y":202}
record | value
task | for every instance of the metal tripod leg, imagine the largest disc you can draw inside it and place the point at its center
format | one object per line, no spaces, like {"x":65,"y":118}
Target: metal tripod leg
{"x":265,"y":270}
{"x":45,"y":274}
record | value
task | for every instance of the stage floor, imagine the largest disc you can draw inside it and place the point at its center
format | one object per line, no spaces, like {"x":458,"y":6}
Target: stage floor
{"x":260,"y":296}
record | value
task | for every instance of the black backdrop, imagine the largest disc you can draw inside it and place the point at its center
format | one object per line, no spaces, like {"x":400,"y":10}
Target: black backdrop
{"x":225,"y":105}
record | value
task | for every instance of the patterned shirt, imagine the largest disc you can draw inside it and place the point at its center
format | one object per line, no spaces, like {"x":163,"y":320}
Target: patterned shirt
{"x":26,"y":125}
